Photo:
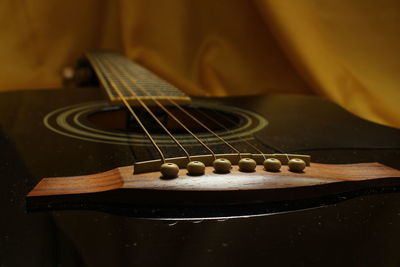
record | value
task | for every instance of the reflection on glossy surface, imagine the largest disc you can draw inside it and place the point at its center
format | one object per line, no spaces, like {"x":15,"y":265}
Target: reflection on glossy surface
{"x":347,"y":230}
{"x":363,"y":231}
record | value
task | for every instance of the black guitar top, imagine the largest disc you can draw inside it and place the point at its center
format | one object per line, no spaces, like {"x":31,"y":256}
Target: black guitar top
{"x":75,"y":131}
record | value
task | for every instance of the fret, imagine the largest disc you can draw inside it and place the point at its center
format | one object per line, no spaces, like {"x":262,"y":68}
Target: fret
{"x":142,"y":83}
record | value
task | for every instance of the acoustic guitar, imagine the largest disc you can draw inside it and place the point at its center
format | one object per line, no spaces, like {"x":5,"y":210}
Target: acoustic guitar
{"x":148,"y":150}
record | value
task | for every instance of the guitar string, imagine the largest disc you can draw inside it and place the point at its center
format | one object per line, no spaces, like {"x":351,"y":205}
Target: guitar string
{"x":169,"y":113}
{"x":264,"y":143}
{"x":204,"y":126}
{"x":186,"y":129}
{"x":186,"y":112}
{"x":166,"y":110}
{"x":112,"y":69}
{"x":182,"y":125}
{"x":230,"y":131}
{"x":128,"y":106}
{"x":286,"y":155}
{"x":215,"y":121}
{"x":197,"y":121}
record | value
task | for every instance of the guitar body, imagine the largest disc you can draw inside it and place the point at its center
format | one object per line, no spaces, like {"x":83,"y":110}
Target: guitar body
{"x":50,"y":142}
{"x":36,"y":142}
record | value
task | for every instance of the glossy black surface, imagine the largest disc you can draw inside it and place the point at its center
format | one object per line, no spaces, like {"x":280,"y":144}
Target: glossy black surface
{"x":359,"y":232}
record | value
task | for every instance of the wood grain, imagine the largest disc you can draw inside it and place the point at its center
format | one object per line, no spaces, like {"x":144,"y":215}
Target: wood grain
{"x":123,"y":178}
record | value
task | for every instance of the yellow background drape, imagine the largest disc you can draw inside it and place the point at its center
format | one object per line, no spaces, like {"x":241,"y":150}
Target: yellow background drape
{"x":345,"y":50}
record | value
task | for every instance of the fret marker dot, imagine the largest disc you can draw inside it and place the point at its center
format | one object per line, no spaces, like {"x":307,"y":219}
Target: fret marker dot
{"x":169,"y":170}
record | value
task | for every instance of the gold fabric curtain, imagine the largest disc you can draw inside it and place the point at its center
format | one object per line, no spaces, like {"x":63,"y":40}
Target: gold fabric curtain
{"x":345,"y":50}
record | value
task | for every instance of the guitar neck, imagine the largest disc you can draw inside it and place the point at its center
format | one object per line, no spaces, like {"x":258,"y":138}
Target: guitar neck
{"x":125,"y":80}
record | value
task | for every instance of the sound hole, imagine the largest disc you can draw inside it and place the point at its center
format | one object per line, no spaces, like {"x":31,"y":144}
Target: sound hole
{"x":119,"y":119}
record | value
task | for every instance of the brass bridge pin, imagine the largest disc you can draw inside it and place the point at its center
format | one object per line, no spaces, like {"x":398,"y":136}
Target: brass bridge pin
{"x":247,"y":165}
{"x":296,"y":165}
{"x":196,"y":168}
{"x":272,"y":164}
{"x":222,"y":165}
{"x":169,"y":170}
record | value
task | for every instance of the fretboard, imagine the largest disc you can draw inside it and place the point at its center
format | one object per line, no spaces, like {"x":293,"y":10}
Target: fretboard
{"x":123,"y":78}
